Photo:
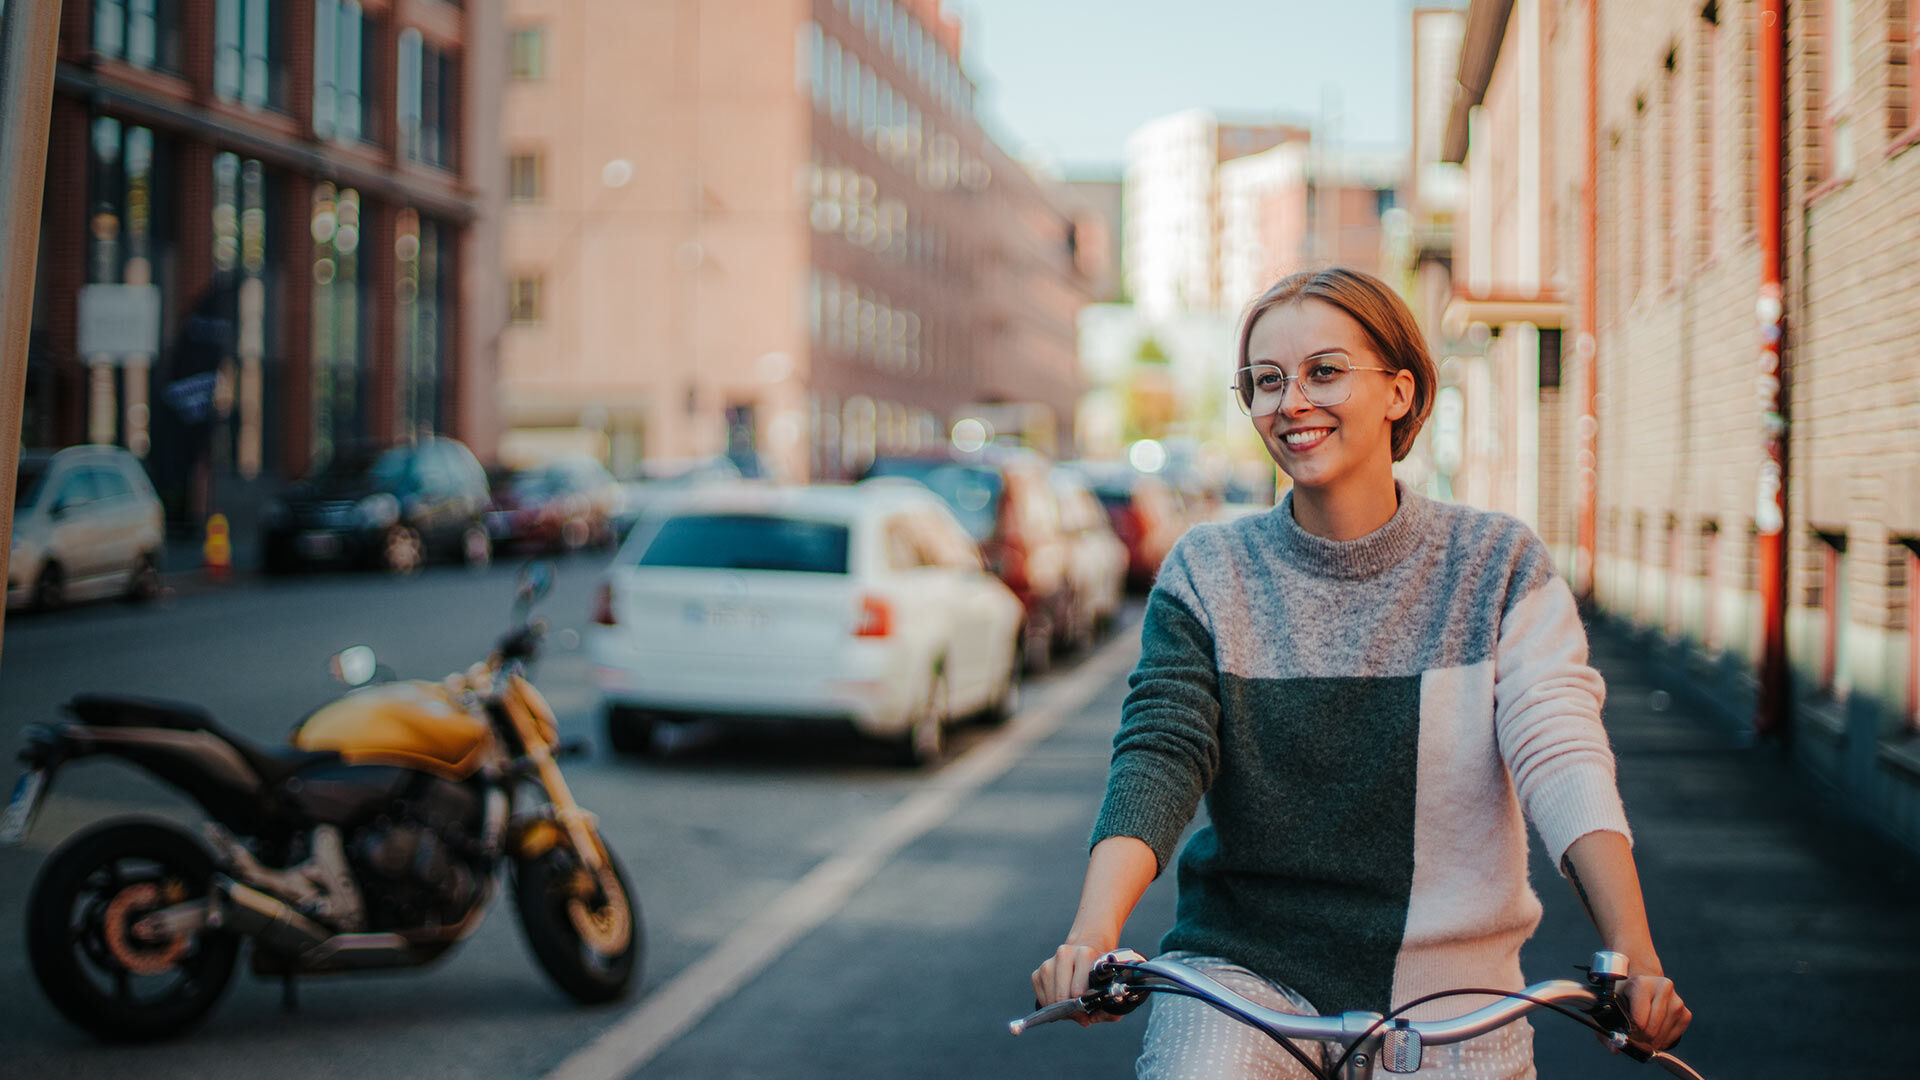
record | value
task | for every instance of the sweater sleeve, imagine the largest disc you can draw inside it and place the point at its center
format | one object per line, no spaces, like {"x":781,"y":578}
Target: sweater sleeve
{"x":1547,"y":719}
{"x":1167,"y":750}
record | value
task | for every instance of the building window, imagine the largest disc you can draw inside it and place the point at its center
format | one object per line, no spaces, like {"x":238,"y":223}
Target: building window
{"x":423,"y":291}
{"x":524,"y":180}
{"x":428,"y":79}
{"x":342,"y":301}
{"x":523,"y":300}
{"x":1710,"y":577}
{"x":1912,"y":564}
{"x":144,"y":33}
{"x":248,"y":65}
{"x":1839,"y":159}
{"x":240,"y":215}
{"x":1833,"y":615}
{"x":342,"y":43}
{"x":1676,"y":580}
{"x":528,"y":60}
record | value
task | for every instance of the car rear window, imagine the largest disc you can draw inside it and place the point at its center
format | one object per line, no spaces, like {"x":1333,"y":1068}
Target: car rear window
{"x":971,"y":492}
{"x":749,"y":542}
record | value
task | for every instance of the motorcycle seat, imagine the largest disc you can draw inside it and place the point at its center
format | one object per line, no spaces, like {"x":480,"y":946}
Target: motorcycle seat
{"x":120,"y":710}
{"x":272,"y":764}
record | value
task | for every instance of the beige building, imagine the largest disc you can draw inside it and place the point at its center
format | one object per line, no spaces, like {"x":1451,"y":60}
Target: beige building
{"x":773,"y":230}
{"x":1682,"y":485}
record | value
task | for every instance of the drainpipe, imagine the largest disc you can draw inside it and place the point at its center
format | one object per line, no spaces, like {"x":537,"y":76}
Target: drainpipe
{"x":1770,"y":509}
{"x":1589,"y":341}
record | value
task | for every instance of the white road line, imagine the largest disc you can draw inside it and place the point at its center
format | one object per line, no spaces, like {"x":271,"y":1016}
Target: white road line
{"x":672,"y":1010}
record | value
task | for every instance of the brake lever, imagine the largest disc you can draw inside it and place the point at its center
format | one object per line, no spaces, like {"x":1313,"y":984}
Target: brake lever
{"x":1112,"y":996}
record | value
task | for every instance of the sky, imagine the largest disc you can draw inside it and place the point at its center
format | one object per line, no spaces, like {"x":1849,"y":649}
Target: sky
{"x":1063,"y":82}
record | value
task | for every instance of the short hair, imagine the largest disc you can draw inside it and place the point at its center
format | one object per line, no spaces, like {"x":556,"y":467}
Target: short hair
{"x":1384,"y":316}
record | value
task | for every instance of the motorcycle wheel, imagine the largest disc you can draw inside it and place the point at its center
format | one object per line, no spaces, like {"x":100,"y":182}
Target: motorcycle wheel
{"x":85,"y":953}
{"x":587,"y":935}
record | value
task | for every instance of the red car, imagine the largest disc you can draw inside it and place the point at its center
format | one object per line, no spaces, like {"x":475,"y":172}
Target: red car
{"x":564,"y":505}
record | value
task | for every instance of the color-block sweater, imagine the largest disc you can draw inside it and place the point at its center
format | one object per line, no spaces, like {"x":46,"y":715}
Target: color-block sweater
{"x":1366,"y":720}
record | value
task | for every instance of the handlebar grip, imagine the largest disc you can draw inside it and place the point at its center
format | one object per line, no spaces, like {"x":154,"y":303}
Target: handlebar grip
{"x":1059,"y":1010}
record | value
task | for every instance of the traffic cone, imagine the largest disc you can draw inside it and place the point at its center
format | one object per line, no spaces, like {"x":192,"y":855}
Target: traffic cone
{"x":217,"y":553}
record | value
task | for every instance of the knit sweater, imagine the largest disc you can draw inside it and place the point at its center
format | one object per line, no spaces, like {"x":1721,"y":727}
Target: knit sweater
{"x":1366,"y":720}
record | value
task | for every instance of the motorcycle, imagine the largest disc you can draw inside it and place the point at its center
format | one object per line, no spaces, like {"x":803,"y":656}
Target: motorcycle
{"x":377,"y":839}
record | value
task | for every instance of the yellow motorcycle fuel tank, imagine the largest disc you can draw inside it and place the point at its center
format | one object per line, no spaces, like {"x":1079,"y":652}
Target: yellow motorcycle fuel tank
{"x":416,"y":725}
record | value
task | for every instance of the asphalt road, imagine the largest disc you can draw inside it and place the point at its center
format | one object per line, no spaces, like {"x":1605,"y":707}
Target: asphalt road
{"x":814,"y":912}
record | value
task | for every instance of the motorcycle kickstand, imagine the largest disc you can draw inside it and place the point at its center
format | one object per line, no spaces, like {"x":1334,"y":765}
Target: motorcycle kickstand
{"x":289,"y":1002}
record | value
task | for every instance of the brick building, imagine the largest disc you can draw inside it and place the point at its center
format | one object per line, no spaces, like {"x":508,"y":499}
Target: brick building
{"x":1680,"y":464}
{"x":775,"y":231}
{"x":292,"y":179}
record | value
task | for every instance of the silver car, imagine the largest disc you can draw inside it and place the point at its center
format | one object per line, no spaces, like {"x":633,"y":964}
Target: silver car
{"x":86,"y":524}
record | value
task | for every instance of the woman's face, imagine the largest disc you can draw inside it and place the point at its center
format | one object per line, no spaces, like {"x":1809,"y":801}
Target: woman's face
{"x":1319,"y":446}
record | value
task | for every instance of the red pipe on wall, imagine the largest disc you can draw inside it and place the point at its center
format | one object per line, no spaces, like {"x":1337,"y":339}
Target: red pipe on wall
{"x":1770,"y":504}
{"x":1588,"y":344}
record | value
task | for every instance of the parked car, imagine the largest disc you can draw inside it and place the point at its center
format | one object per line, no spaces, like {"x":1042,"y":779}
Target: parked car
{"x":1006,"y":502}
{"x":660,"y":479}
{"x":861,"y":606}
{"x":1147,"y":515}
{"x":1097,"y":567}
{"x":86,"y":524}
{"x":392,"y":508}
{"x":564,"y":505}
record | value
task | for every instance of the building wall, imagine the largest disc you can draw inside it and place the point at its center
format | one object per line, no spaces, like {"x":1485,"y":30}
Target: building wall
{"x":254,"y":213}
{"x":773,"y":230}
{"x":1679,"y":425}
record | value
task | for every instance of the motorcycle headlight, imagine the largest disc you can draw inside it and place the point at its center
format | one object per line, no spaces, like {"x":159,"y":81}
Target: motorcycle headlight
{"x":379,"y":510}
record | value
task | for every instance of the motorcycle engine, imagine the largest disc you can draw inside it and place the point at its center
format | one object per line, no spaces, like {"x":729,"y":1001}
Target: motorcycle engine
{"x":422,"y":862}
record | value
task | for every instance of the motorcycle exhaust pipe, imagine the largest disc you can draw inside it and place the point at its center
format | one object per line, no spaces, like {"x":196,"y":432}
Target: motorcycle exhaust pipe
{"x":257,"y":915}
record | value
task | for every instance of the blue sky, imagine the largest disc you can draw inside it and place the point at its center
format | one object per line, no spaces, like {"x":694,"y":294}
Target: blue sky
{"x":1066,"y":80}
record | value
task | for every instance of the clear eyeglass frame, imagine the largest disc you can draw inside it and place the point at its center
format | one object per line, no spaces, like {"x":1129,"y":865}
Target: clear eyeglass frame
{"x":1335,"y":390}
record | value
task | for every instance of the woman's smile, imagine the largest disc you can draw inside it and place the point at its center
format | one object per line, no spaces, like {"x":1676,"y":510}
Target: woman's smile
{"x":1301,"y":440}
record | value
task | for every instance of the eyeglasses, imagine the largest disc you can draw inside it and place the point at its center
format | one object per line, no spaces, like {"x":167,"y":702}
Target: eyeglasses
{"x":1326,"y":379}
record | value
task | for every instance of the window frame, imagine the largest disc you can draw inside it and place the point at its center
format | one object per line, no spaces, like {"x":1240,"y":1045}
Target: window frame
{"x":527,"y":43}
{"x":525,"y":299}
{"x":1833,"y":680}
{"x":537,"y":168}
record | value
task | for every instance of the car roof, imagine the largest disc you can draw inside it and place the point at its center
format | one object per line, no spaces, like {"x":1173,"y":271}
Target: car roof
{"x":843,"y":502}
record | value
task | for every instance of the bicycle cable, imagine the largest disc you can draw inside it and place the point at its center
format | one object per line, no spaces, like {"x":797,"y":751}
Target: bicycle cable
{"x":1181,"y":991}
{"x":1516,"y":995}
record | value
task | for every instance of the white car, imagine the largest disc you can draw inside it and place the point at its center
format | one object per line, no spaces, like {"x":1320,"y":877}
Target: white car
{"x":864,"y":605}
{"x":86,"y":524}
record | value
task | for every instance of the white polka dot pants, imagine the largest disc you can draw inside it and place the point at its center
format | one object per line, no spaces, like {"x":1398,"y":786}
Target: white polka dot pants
{"x":1190,"y":1040}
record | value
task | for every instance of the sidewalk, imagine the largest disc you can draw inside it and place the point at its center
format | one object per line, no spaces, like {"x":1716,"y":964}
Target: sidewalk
{"x":1789,"y":928}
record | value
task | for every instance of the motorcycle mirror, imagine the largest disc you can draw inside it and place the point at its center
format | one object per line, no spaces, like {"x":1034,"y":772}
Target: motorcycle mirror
{"x":355,"y":666}
{"x":535,"y":581}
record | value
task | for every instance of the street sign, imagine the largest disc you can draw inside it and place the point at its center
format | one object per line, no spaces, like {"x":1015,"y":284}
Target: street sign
{"x":119,"y":320}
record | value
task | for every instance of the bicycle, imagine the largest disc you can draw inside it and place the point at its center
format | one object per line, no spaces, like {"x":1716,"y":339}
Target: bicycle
{"x":1123,"y":979}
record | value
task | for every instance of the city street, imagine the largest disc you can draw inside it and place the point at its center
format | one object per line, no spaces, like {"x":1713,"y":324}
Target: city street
{"x":814,"y":912}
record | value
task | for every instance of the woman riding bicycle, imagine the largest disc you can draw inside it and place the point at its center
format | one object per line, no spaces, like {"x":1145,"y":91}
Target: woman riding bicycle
{"x":1368,"y":687}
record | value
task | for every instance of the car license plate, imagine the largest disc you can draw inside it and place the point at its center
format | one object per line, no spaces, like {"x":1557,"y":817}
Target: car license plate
{"x":22,"y":808}
{"x":319,"y":545}
{"x":733,"y":616}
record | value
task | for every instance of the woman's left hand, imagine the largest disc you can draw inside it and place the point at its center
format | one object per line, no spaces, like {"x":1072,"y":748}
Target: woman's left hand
{"x":1655,"y":1013}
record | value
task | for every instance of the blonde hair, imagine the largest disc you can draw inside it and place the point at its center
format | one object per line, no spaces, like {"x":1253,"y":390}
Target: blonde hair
{"x":1388,"y":323}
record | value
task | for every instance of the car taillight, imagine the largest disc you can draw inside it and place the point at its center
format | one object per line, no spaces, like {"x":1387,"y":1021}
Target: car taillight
{"x":603,"y":605}
{"x":875,"y":618}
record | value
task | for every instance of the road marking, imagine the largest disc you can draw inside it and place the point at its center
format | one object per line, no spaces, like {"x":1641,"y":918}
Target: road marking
{"x":673,"y":1009}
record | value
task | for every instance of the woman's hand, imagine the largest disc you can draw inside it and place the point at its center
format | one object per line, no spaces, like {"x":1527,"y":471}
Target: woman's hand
{"x":1655,"y":1014}
{"x":1066,"y":974}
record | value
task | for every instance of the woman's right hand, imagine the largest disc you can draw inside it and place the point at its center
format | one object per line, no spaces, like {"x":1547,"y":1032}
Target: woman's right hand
{"x":1066,"y":974}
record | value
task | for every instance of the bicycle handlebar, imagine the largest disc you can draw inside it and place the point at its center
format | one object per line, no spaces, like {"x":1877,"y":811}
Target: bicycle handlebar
{"x":1122,"y":979}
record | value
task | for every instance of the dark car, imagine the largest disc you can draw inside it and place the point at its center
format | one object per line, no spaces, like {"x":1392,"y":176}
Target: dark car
{"x":564,"y":505}
{"x":1007,"y":503}
{"x":393,"y":508}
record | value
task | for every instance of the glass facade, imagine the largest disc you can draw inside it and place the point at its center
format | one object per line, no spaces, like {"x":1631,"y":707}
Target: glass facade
{"x":342,"y":43}
{"x":428,"y":79}
{"x":144,"y":33}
